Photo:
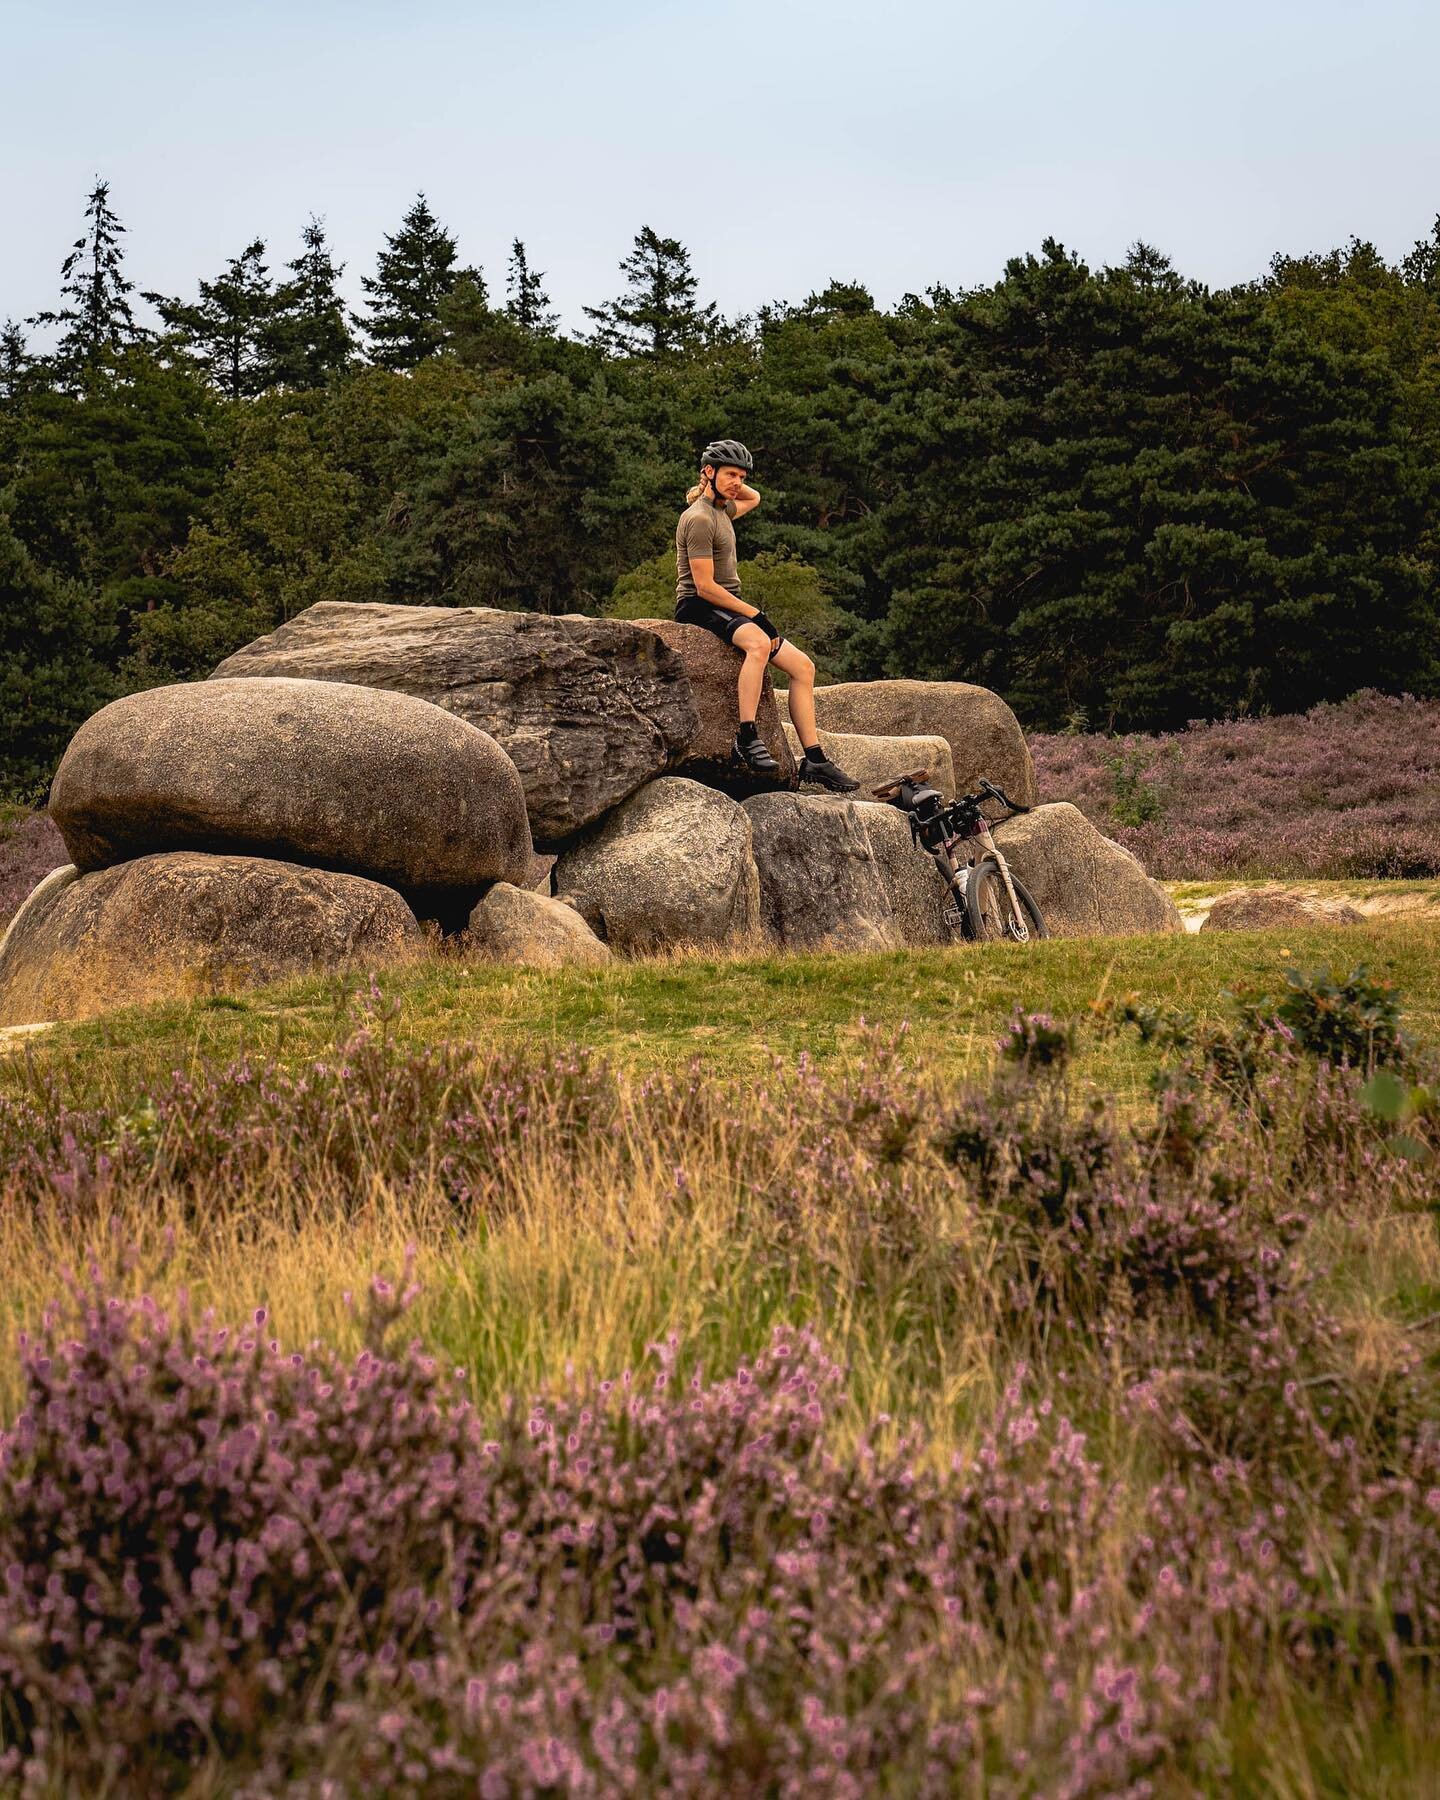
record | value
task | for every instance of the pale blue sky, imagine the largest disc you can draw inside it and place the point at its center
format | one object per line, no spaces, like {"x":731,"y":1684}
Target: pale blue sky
{"x":899,"y":143}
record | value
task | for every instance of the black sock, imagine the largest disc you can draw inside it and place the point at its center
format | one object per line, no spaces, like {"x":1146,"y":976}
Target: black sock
{"x":815,"y":754}
{"x":748,"y":731}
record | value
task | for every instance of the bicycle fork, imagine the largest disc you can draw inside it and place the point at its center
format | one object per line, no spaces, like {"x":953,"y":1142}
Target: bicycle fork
{"x":1017,"y":912}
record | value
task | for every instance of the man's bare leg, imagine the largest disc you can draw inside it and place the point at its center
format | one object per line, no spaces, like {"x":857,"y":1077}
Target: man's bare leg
{"x":752,"y":671}
{"x":815,"y":767}
{"x":798,"y":666}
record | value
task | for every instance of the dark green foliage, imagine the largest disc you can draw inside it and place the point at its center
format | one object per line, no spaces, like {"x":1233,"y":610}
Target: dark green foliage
{"x":285,"y":529}
{"x":54,"y":635}
{"x":1352,"y":1018}
{"x":227,"y":331}
{"x":1151,"y":502}
{"x":544,"y":493}
{"x":1113,"y":495}
{"x":529,"y":304}
{"x":415,"y":271}
{"x":14,"y":360}
{"x":657,"y":315}
{"x":106,"y":483}
{"x":98,"y":321}
{"x":309,"y":340}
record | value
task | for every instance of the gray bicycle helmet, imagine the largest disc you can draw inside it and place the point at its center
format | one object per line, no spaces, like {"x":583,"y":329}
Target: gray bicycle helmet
{"x":727,"y":453}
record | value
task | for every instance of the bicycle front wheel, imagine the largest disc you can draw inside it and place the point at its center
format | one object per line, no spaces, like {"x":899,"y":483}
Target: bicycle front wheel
{"x":992,"y":918}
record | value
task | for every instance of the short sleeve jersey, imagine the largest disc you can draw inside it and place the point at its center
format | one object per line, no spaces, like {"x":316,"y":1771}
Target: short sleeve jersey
{"x":706,"y":530}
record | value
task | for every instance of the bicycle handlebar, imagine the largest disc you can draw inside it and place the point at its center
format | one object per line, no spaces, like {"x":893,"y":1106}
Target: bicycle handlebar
{"x":998,"y":793}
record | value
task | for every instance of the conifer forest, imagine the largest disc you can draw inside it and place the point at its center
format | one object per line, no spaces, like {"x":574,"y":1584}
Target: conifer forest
{"x":1121,"y":498}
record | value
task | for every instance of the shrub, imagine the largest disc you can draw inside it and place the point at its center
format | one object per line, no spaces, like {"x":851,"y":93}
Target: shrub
{"x":1345,"y":791}
{"x":1352,"y":1018}
{"x":1140,"y":792}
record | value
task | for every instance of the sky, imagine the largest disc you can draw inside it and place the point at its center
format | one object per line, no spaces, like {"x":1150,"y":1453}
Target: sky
{"x":897,"y":143}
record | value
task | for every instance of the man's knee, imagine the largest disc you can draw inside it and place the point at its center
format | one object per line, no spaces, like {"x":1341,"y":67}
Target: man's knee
{"x":802,"y":669}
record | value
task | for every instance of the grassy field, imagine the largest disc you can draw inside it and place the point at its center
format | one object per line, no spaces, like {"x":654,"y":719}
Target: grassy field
{"x":732,"y":1014}
{"x":561,"y":1221}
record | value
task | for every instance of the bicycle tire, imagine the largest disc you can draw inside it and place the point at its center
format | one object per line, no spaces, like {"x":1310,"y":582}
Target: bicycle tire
{"x":988,"y":904}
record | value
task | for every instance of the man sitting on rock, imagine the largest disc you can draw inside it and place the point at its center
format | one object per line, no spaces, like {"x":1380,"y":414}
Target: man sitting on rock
{"x":707,"y":593}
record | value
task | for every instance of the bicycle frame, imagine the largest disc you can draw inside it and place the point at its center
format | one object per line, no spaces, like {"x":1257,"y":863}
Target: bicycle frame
{"x":940,"y":828}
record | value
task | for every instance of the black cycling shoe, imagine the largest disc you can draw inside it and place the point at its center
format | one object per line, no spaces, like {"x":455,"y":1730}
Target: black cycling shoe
{"x":828,"y":775}
{"x":752,"y":756}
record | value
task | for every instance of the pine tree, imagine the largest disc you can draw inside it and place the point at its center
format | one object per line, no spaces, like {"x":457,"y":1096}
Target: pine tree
{"x":1421,"y":268}
{"x":539,"y":497}
{"x":413,"y":275}
{"x":1150,"y":269}
{"x":309,"y":338}
{"x":99,"y":320}
{"x":529,"y":303}
{"x":657,"y":317}
{"x":14,"y":361}
{"x":228,"y":330}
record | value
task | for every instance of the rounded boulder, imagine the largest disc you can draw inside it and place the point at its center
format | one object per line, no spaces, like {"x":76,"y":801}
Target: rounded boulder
{"x":1085,"y":884}
{"x":983,"y":734}
{"x":180,"y":925}
{"x":532,"y":931}
{"x":1269,"y":909}
{"x":674,"y":865}
{"x":822,"y":886}
{"x":873,"y":760}
{"x":339,"y":777}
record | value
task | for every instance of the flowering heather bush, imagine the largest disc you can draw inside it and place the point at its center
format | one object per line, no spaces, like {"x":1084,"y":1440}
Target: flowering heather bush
{"x":1347,"y":790}
{"x":30,"y":847}
{"x":212,"y":1546}
{"x":434,"y":1117}
{"x":319,"y":1575}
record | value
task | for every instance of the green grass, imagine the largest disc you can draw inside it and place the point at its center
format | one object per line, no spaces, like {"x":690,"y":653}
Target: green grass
{"x":732,"y":1014}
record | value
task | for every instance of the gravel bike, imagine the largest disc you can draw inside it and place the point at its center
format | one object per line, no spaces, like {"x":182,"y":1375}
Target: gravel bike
{"x":988,"y":901}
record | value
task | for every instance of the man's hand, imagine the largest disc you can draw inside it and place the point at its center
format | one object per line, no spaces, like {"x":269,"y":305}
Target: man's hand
{"x":768,"y":627}
{"x":746,"y":500}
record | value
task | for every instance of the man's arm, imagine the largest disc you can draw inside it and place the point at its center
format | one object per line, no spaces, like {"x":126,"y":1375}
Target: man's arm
{"x":746,"y":500}
{"x":702,"y":573}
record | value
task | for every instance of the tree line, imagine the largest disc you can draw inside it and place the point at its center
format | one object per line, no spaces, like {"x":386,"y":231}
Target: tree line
{"x":1118,"y":496}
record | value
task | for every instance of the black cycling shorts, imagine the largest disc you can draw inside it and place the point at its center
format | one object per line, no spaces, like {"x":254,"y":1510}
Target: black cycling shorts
{"x":719,"y":619}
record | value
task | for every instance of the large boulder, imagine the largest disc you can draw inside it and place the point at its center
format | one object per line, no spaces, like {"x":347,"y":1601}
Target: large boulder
{"x":587,"y":709}
{"x":1085,"y":884}
{"x":982,"y":732}
{"x":821,"y":885}
{"x":672,"y":866}
{"x":38,"y":897}
{"x":713,"y":670}
{"x":170,"y":927}
{"x":872,"y":760}
{"x":1270,"y":909}
{"x":346,"y":778}
{"x":917,"y":891}
{"x":511,"y":925}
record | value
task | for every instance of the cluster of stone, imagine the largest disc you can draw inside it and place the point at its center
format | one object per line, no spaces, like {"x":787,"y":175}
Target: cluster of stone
{"x":544,"y":791}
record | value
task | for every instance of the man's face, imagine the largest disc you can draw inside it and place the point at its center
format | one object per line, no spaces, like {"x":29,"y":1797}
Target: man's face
{"x":728,"y":481}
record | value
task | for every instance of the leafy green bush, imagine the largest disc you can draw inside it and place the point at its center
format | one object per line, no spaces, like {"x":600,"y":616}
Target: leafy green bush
{"x":1141,"y":791}
{"x":1352,"y":1019}
{"x":790,"y":591}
